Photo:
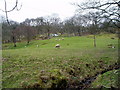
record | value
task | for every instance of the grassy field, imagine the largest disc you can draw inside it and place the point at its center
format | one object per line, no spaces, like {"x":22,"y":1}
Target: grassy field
{"x":107,"y":80}
{"x":46,"y":66}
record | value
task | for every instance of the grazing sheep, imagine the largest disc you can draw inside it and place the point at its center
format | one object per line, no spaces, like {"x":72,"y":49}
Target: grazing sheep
{"x":59,"y":39}
{"x":57,"y":46}
{"x":113,"y":46}
{"x":37,"y":45}
{"x":25,"y":46}
{"x":62,"y":38}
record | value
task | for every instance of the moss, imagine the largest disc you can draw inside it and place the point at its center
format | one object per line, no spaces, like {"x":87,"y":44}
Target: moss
{"x":71,"y":71}
{"x":59,"y":83}
{"x":24,"y":84}
{"x":58,"y":80}
{"x":107,"y":79}
{"x":52,"y":79}
{"x":44,"y":79}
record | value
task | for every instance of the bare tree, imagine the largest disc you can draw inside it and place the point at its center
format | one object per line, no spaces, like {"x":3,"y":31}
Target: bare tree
{"x":13,"y":25}
{"x":48,"y":28}
{"x":7,"y":11}
{"x":94,"y":17}
{"x":50,"y":21}
{"x":80,"y":21}
{"x":109,"y":9}
{"x":14,"y":38}
{"x":28,"y":30}
{"x":6,"y":15}
{"x":39,"y":24}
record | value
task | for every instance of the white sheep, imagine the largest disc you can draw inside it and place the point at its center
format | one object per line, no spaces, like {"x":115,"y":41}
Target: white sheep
{"x":57,"y":46}
{"x":37,"y":45}
{"x":62,"y":38}
{"x":113,"y":46}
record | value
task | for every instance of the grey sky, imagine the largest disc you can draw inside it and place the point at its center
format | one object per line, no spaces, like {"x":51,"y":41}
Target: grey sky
{"x":38,"y":8}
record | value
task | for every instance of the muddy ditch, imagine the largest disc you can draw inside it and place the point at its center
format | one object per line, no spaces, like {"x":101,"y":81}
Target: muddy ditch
{"x":85,"y":83}
{"x":57,"y":80}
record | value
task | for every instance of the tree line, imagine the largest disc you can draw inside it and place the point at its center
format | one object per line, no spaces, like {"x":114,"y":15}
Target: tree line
{"x":43,"y":27}
{"x":91,"y":22}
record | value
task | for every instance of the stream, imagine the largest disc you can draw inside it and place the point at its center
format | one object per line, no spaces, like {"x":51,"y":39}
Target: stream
{"x":87,"y":81}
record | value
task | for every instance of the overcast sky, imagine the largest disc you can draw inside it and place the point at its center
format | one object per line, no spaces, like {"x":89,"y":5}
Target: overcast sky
{"x":38,"y":8}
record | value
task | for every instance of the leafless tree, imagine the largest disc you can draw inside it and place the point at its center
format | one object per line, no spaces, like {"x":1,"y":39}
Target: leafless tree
{"x":94,"y":17}
{"x":80,"y":21}
{"x":10,"y":10}
{"x":14,"y":38}
{"x":6,"y":15}
{"x":109,"y":9}
{"x":39,"y":24}
{"x":50,"y":22}
{"x":28,"y":30}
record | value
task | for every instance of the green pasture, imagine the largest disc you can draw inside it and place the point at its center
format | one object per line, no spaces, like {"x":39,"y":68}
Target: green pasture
{"x":47,"y":66}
